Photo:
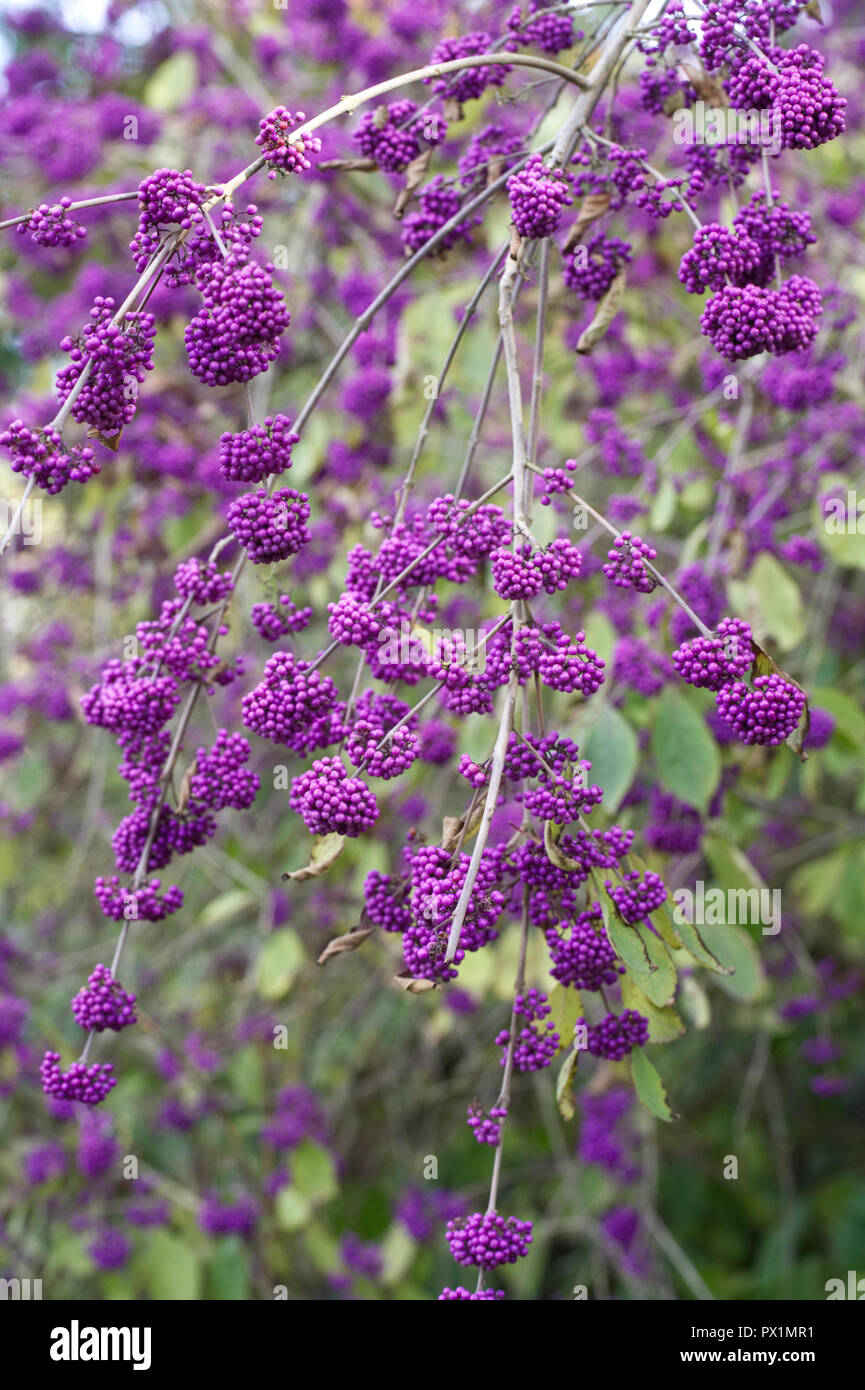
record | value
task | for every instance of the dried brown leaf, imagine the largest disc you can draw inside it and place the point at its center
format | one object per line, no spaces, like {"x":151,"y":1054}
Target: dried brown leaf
{"x":707,"y":85}
{"x":411,"y":985}
{"x":186,"y":786}
{"x":415,"y":174}
{"x":326,"y":849}
{"x":349,"y":166}
{"x":348,"y":942}
{"x":606,"y":311}
{"x":452,"y":827}
{"x":111,"y":442}
{"x":593,"y":206}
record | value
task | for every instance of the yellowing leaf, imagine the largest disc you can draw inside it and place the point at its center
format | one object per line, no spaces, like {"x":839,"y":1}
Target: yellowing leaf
{"x":173,"y":82}
{"x":280,"y":959}
{"x":326,"y":849}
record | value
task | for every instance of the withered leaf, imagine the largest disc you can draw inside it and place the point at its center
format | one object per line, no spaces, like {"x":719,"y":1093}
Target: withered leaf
{"x":552,"y":835}
{"x":707,"y":85}
{"x":674,"y":102}
{"x":111,"y":442}
{"x":348,"y":942}
{"x":326,"y":849}
{"x":452,"y":110}
{"x":593,"y":206}
{"x":415,"y":174}
{"x":411,"y":985}
{"x":186,"y":785}
{"x":350,"y":166}
{"x":452,"y":827}
{"x":606,"y":311}
{"x":765,"y":666}
{"x":565,"y":1085}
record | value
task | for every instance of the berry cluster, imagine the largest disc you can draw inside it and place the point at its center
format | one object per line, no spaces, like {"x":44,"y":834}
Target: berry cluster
{"x":274,"y":620}
{"x":537,"y":195}
{"x":486,"y":1128}
{"x":254,"y":454}
{"x":89,"y":1085}
{"x":595,"y":266}
{"x":390,"y":136}
{"x":201,"y":582}
{"x":534,"y":1048}
{"x":42,"y":455}
{"x":742,"y":322}
{"x":471,"y":83}
{"x":710,"y":662}
{"x":166,"y":198}
{"x":580,"y":954}
{"x":546,"y":30}
{"x":52,"y":225}
{"x":220,"y":777}
{"x":719,"y":255}
{"x":236,"y":333}
{"x":270,"y":528}
{"x":626,"y":566}
{"x":488,"y":1239}
{"x":480,"y":1296}
{"x":119,"y":356}
{"x":385,"y":757}
{"x":102,"y":1003}
{"x":572,"y":666}
{"x":284,"y":155}
{"x":288,"y":700}
{"x":767,"y":715}
{"x":616,"y":1035}
{"x":438,"y":203}
{"x":330,"y":802}
{"x":637,"y":898}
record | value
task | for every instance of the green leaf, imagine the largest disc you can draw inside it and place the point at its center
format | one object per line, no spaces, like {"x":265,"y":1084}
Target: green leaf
{"x":173,"y":82}
{"x":228,"y":1275}
{"x":693,"y":941}
{"x":663,"y":507}
{"x":689,"y":764}
{"x":660,"y":985}
{"x":848,"y":717}
{"x":565,"y":1084}
{"x":280,"y":959}
{"x":292,"y":1210}
{"x":610,"y":745}
{"x":772,"y":602}
{"x":313,"y":1173}
{"x":625,"y":940}
{"x":733,"y":947}
{"x":730,"y":866}
{"x":664,"y":1023}
{"x":833,"y":524}
{"x":552,"y":836}
{"x":816,"y":884}
{"x":172,"y":1269}
{"x":397,"y":1252}
{"x":566,"y":1007}
{"x":694,"y":1002}
{"x":648,"y":1086}
{"x":227,"y":905}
